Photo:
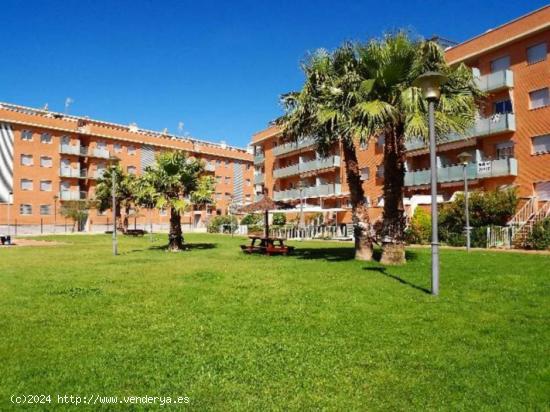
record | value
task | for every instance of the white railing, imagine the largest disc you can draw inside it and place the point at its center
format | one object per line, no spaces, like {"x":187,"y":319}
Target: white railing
{"x":259,"y":158}
{"x":308,"y":192}
{"x":307,"y":166}
{"x":259,"y":178}
{"x":291,"y":146}
{"x":209,"y":167}
{"x":69,"y":149}
{"x":311,"y":232}
{"x":69,"y":172}
{"x":495,"y":81}
{"x":72,"y":195}
{"x":499,"y":236}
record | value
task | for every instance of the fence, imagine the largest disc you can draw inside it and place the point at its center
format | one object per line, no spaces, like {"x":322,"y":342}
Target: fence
{"x":499,"y":236}
{"x":313,"y":232}
{"x":67,"y":227}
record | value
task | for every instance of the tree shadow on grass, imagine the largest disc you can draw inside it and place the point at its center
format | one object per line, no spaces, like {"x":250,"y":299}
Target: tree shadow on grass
{"x":332,"y":254}
{"x":383,"y":270}
{"x":187,"y":247}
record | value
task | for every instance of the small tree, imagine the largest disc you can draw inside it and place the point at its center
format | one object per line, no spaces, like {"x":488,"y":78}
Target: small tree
{"x":419,"y":230}
{"x":173,"y":182}
{"x":539,"y":238}
{"x":125,"y":194}
{"x":77,"y":211}
{"x":279,"y":219}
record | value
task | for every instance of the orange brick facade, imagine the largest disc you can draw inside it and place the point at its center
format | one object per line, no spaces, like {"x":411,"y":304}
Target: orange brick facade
{"x":61,"y":157}
{"x":503,"y":143}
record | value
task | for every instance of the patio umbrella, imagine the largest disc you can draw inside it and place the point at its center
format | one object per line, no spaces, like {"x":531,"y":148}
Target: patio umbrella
{"x":264,"y":205}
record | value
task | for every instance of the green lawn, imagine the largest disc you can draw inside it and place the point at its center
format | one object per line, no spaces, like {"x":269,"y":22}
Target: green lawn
{"x":234,"y":332}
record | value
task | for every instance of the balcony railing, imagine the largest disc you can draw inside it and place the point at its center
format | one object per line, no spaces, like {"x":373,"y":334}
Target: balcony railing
{"x":503,"y":79}
{"x":317,"y":164}
{"x":69,"y":149}
{"x":259,"y":158}
{"x":478,"y":170}
{"x":209,"y":167}
{"x":72,"y":195}
{"x":70,"y":172}
{"x":291,"y":146}
{"x":259,"y":179}
{"x":487,"y":126}
{"x":259,"y":197}
{"x":307,"y":192}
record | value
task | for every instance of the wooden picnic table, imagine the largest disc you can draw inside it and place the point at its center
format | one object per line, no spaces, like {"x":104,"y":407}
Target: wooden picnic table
{"x":267,"y":245}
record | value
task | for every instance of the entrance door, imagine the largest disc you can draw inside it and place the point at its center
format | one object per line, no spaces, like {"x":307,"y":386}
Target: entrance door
{"x":196,"y":220}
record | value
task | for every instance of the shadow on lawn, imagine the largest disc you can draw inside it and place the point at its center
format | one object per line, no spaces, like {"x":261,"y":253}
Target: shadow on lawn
{"x":339,"y":254}
{"x":383,"y":270}
{"x":188,"y":247}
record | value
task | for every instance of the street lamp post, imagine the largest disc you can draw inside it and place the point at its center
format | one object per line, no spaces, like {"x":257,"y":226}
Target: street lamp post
{"x":55,"y":212}
{"x":464,"y":159}
{"x":113,"y":161}
{"x":10,"y":201}
{"x":430,"y":83}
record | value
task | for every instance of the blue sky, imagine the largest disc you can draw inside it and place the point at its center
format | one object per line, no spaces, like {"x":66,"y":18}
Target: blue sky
{"x":216,"y":66}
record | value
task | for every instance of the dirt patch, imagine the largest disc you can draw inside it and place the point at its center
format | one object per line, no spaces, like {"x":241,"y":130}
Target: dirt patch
{"x":22,"y":242}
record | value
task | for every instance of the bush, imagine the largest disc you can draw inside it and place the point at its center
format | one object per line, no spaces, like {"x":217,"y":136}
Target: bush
{"x":251,"y":219}
{"x":493,"y":208}
{"x":279,"y":219}
{"x":217,"y":221}
{"x":420,"y":228}
{"x":539,"y":238}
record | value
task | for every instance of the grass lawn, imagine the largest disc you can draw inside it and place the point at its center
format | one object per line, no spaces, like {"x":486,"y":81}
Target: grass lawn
{"x":317,"y":330}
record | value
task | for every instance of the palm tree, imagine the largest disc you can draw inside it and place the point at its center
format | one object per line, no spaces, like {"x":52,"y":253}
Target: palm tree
{"x":124,"y":193}
{"x":362,"y":91}
{"x":325,"y":109}
{"x":393,"y":107}
{"x":171,"y":182}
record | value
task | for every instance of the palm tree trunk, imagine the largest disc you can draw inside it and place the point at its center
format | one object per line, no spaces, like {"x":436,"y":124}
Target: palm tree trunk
{"x":175,"y":237}
{"x":360,"y":216}
{"x":393,"y":224}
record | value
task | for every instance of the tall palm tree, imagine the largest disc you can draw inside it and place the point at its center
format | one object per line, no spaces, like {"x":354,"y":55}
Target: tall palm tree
{"x":171,"y":182}
{"x":395,"y":108}
{"x":325,"y":108}
{"x":361,"y":91}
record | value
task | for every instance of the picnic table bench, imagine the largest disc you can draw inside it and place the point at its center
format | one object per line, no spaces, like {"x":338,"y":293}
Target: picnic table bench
{"x":135,"y":232}
{"x":267,"y":245}
{"x":5,"y":240}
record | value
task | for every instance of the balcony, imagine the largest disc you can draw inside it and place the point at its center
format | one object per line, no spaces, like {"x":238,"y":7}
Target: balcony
{"x":503,"y":79}
{"x":487,"y":126}
{"x":258,"y":197}
{"x":308,"y":192}
{"x":259,"y":179}
{"x":70,"y":172}
{"x":478,"y":170}
{"x":69,"y":149}
{"x":291,"y":146}
{"x":317,"y":164}
{"x":72,"y":195}
{"x":209,"y":167}
{"x":259,"y":158}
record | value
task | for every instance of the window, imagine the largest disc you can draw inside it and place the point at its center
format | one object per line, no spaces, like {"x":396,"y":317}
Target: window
{"x":65,"y":140}
{"x":539,"y":98}
{"x":101,"y":213}
{"x":117,"y":147}
{"x":541,"y":144}
{"x":46,"y":161}
{"x":46,"y":185}
{"x":504,"y":150}
{"x":218,"y":162}
{"x":101,"y":145}
{"x":25,"y":209}
{"x":542,"y":189}
{"x":502,"y":63}
{"x":363,"y":145}
{"x":132,"y":170}
{"x":162,"y":212}
{"x":218,"y":179}
{"x":227,"y":180}
{"x":46,"y":138}
{"x":227,"y":163}
{"x":536,"y":53}
{"x":26,"y":184}
{"x":131,"y":150}
{"x":218,"y":196}
{"x":365,"y":173}
{"x":26,"y":160}
{"x":380,"y":171}
{"x":248,"y":183}
{"x":380,"y":139}
{"x":26,"y":135}
{"x":45,"y":210}
{"x":502,"y":106}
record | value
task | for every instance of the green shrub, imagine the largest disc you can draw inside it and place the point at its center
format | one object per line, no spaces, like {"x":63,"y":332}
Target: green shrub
{"x":279,"y":219}
{"x":217,"y":221}
{"x":251,"y":219}
{"x":419,"y":230}
{"x":539,"y":238}
{"x":494,"y":208}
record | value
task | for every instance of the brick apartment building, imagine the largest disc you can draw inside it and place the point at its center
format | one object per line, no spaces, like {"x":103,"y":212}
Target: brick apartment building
{"x":509,"y":143}
{"x":47,"y":159}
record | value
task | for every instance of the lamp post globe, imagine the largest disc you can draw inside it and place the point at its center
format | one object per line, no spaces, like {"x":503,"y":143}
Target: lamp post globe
{"x":430,"y":83}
